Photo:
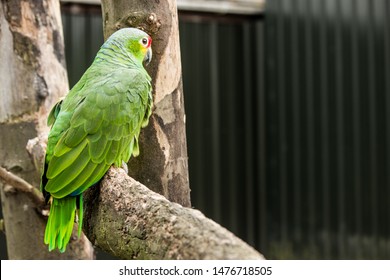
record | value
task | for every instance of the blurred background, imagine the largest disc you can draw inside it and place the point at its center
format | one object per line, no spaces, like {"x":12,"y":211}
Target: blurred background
{"x":288,"y":119}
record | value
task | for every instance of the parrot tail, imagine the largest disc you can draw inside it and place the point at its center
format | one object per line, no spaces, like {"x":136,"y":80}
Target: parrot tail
{"x":60,"y":223}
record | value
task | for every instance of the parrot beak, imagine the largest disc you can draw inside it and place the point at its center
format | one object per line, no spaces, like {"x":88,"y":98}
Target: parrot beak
{"x":148,"y":56}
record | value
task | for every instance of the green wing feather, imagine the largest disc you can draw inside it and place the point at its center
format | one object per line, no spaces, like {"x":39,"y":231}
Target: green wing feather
{"x":54,"y":113}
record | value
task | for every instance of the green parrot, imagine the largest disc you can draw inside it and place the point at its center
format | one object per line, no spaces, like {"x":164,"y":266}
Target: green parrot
{"x":95,"y":126}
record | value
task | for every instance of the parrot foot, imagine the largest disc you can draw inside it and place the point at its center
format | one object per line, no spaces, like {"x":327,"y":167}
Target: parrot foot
{"x":124,"y":167}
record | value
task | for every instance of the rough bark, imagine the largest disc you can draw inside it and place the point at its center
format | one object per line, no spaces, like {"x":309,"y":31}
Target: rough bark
{"x":32,"y":78}
{"x":162,"y":164}
{"x":130,"y":221}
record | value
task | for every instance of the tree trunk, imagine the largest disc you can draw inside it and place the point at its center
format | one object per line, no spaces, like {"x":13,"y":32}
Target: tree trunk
{"x":162,"y":164}
{"x":32,"y":78}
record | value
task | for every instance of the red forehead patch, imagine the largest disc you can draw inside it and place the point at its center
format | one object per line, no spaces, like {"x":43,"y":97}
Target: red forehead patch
{"x":149,"y":42}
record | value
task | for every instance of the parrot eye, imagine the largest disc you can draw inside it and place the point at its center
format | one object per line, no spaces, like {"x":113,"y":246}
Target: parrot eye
{"x":145,"y":41}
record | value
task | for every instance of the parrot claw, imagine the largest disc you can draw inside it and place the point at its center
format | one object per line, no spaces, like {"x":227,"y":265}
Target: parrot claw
{"x":45,"y":212}
{"x":124,"y":167}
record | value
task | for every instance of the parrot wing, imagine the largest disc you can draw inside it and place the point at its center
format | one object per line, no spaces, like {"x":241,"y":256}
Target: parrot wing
{"x":102,"y":130}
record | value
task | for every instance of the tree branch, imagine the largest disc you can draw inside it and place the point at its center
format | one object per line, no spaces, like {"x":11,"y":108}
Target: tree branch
{"x":23,"y":186}
{"x":125,"y":218}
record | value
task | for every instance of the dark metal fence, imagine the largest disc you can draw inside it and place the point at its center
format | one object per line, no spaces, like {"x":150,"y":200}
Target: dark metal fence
{"x":224,"y":98}
{"x":328,"y":128}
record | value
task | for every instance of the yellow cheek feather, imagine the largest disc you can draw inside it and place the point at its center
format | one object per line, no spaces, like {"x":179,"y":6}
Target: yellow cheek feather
{"x":143,"y":50}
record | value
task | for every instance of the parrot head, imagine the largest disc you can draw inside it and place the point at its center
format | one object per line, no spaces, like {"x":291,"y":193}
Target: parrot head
{"x":135,"y":42}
